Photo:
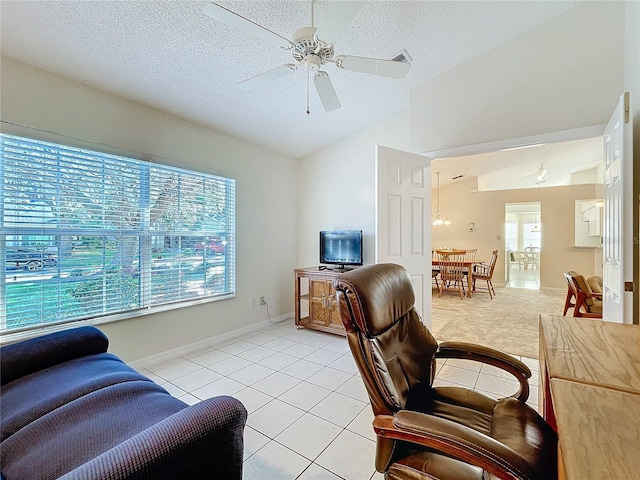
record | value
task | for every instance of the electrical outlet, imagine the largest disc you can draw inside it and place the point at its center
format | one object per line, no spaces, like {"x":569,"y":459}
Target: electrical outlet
{"x":253,"y":303}
{"x":262,"y":301}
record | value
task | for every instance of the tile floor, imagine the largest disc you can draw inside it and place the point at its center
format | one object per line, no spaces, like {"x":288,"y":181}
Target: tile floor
{"x":309,"y":416}
{"x":521,"y":278}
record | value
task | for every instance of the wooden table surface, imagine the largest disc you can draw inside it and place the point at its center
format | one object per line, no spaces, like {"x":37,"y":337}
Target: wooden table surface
{"x":590,"y":351}
{"x":598,"y":431}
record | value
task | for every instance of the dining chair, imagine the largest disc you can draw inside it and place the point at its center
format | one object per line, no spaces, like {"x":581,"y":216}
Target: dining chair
{"x":532,"y":257}
{"x":435,"y":269}
{"x":451,"y":271}
{"x":516,"y":258}
{"x":424,"y":431}
{"x":469,"y":256}
{"x":484,"y":272}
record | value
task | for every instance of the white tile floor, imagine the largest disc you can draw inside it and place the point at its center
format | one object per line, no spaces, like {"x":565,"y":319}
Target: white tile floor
{"x":521,"y":278}
{"x":309,"y":416}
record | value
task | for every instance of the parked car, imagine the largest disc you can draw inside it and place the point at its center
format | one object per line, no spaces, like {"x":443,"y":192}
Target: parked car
{"x":214,"y":245}
{"x":28,"y":259}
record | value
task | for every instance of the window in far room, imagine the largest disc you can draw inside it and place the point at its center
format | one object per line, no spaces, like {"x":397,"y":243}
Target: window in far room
{"x":90,"y":235}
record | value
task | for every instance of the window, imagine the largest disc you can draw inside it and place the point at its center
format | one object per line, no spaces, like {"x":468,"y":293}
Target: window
{"x":511,"y":235}
{"x":86,"y":234}
{"x":531,"y":235}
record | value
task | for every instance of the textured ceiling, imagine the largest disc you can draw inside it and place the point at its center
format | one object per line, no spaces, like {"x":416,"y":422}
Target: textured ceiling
{"x":515,"y":169}
{"x":170,"y":56}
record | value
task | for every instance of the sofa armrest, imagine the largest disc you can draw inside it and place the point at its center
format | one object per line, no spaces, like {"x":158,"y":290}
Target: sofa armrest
{"x":201,"y":441}
{"x":29,"y":356}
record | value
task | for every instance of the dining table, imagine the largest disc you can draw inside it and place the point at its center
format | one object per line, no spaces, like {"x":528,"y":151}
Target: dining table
{"x":468,"y":264}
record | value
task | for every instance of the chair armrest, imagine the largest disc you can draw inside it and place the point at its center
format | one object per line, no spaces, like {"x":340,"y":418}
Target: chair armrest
{"x":481,"y":269}
{"x":592,"y":295}
{"x":201,"y":441}
{"x":29,"y":356}
{"x":490,"y":356}
{"x":454,"y":440}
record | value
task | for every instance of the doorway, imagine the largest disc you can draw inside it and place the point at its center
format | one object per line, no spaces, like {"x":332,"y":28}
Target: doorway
{"x":523,"y":234}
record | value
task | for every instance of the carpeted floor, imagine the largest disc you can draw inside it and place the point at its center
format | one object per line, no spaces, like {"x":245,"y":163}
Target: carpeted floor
{"x":508,"y":323}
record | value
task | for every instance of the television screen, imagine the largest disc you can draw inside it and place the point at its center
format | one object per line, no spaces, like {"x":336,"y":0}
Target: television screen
{"x":341,"y":247}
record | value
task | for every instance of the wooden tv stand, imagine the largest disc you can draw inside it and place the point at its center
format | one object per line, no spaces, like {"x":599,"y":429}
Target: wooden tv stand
{"x":316,"y":306}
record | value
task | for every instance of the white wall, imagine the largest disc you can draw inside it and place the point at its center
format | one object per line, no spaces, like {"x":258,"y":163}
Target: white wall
{"x":266,"y":189}
{"x":337,"y":186}
{"x":564,"y":74}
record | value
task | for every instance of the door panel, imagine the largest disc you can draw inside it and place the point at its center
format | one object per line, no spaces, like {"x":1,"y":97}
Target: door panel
{"x":618,"y":222}
{"x":403,"y":226}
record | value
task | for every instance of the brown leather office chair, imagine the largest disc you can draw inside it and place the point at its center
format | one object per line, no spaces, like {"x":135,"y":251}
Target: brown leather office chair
{"x":426,"y":432}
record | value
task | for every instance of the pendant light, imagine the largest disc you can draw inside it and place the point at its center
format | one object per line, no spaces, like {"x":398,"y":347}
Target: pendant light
{"x":536,"y":226}
{"x":440,"y":219}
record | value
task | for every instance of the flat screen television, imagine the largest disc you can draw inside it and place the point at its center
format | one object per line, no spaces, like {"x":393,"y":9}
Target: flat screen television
{"x":342,"y":248}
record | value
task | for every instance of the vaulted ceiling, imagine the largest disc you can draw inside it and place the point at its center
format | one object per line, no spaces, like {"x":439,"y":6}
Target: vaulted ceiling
{"x":170,"y":56}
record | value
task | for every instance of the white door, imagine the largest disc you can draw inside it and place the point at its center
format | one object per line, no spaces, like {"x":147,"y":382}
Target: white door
{"x":403,"y":225}
{"x":618,"y":220}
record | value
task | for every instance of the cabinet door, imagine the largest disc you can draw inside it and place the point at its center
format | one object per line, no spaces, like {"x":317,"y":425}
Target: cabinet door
{"x":318,"y":298}
{"x":332,"y":308}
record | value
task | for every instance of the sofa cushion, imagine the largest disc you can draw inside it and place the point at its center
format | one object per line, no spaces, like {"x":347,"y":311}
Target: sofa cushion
{"x":84,"y":428}
{"x":595,"y":283}
{"x":29,"y":356}
{"x":28,"y":398}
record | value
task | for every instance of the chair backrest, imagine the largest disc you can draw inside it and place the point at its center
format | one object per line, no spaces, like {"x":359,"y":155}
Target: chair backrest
{"x":470,"y":255}
{"x":571,"y":285}
{"x":583,"y":286}
{"x":392,"y":348}
{"x":492,"y":264}
{"x":451,"y":266}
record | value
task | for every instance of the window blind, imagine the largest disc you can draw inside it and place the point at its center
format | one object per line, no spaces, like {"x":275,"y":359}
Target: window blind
{"x":87,"y":234}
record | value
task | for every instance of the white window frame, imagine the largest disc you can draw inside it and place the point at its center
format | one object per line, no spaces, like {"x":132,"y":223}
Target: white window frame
{"x":144,"y":255}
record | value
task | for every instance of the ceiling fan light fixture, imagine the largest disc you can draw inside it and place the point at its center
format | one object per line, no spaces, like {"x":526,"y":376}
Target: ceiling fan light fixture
{"x":542,"y":172}
{"x":308,"y":48}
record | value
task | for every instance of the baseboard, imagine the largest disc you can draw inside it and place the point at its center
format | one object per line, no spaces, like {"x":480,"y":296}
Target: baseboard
{"x":553,"y":289}
{"x":217,"y":339}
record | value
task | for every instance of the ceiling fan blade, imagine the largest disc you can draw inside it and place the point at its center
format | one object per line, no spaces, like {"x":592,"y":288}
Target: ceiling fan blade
{"x":266,"y":77}
{"x":374,"y":66}
{"x":336,"y":18}
{"x":326,"y":92}
{"x":223,"y":15}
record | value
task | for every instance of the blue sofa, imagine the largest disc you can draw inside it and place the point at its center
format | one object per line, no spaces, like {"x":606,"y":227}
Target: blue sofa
{"x":69,"y":409}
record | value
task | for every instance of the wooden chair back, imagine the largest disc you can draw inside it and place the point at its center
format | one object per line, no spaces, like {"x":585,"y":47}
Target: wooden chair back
{"x":452,"y":270}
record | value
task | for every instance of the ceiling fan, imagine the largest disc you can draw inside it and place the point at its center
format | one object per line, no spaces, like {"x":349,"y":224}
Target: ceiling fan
{"x":310,"y":50}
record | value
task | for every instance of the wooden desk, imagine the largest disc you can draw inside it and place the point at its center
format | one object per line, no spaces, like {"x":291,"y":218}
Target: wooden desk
{"x":589,"y":351}
{"x":598,"y":429}
{"x":469,"y":265}
{"x":590,"y":394}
